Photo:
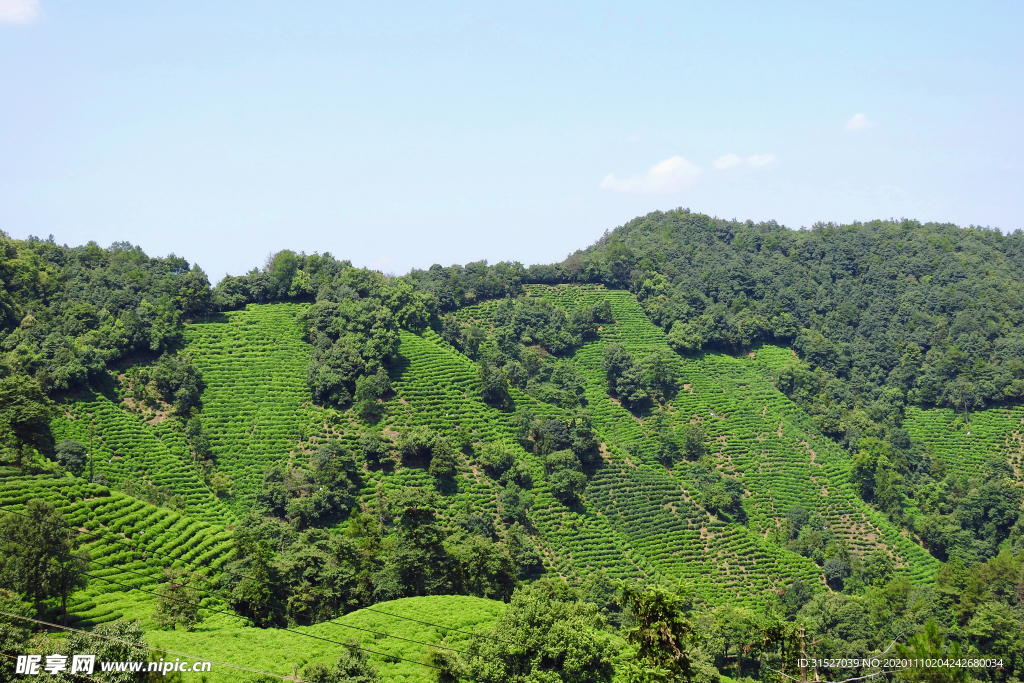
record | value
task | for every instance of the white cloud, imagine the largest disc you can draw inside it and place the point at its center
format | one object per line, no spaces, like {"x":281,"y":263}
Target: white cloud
{"x":761,"y":160}
{"x":20,"y":11}
{"x":669,"y":175}
{"x":633,"y":137}
{"x":727,"y":161}
{"x":730,"y":160}
{"x":859,"y":122}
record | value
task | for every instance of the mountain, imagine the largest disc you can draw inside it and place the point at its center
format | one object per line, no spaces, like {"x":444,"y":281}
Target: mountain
{"x":822,"y":425}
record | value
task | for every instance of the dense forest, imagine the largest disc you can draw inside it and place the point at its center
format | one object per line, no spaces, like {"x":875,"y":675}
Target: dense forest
{"x":882,"y":319}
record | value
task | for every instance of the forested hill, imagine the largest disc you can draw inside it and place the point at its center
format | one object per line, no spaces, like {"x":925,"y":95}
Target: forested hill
{"x":882,"y":314}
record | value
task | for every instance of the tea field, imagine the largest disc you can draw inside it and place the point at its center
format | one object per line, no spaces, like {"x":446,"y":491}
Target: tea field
{"x":125,"y":446}
{"x":277,"y":652}
{"x":637,"y":518}
{"x":256,"y":406}
{"x":760,"y":437}
{"x":963,"y":445}
{"x":130,"y":542}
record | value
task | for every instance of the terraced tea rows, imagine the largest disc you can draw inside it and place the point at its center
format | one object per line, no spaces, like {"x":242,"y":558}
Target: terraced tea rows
{"x":637,"y":519}
{"x":965,"y":445}
{"x":166,"y":536}
{"x":126,"y":447}
{"x":256,"y":405}
{"x":438,"y":387}
{"x":760,"y":437}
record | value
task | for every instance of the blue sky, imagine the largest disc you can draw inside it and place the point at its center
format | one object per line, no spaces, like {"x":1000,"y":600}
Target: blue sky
{"x":402,"y":134}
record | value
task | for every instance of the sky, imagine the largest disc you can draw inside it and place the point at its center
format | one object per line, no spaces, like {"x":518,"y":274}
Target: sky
{"x":402,"y":134}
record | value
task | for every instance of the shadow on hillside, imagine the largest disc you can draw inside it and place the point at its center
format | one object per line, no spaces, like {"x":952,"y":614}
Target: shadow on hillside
{"x":218,"y":317}
{"x":384,"y":465}
{"x":398,"y":367}
{"x":446,"y":485}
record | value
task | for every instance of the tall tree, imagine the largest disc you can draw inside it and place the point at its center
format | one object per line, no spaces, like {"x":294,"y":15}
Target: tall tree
{"x":39,"y":555}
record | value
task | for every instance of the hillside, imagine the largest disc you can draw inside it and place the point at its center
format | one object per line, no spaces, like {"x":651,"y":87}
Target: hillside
{"x":130,"y":542}
{"x":319,"y":441}
{"x":760,"y":437}
{"x":278,"y":652}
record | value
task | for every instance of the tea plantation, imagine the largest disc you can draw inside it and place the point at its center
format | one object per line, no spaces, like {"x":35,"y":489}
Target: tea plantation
{"x":130,"y":542}
{"x":256,"y":406}
{"x":963,"y":445}
{"x":637,"y":517}
{"x":277,"y":651}
{"x":763,"y":439}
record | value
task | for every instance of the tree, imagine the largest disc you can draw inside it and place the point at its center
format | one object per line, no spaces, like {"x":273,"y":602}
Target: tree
{"x":493,"y":384}
{"x":694,"y":440}
{"x":417,"y":445}
{"x":178,"y":600}
{"x":71,"y":456}
{"x":353,"y":666}
{"x":481,"y":566}
{"x":39,"y":555}
{"x":442,"y":459}
{"x":375,"y":449}
{"x":369,"y":390}
{"x":565,"y":478}
{"x":25,"y":413}
{"x":116,"y":641}
{"x":878,"y":568}
{"x":254,"y":575}
{"x":658,"y":373}
{"x":547,"y":634}
{"x":626,"y":378}
{"x":199,"y":441}
{"x":930,"y":643}
{"x":666,"y":640}
{"x":497,"y":458}
{"x":220,"y":482}
{"x":418,"y":563}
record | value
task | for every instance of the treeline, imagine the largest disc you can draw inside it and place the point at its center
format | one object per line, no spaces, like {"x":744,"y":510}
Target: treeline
{"x":288,"y":568}
{"x":67,"y":314}
{"x":883,"y":314}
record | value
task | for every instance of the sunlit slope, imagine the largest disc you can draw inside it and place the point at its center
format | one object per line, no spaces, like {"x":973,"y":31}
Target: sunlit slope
{"x":130,"y":542}
{"x":438,"y":387}
{"x":964,"y":445}
{"x":127,"y":447}
{"x":256,"y":405}
{"x":646,"y":505}
{"x":276,"y":651}
{"x":257,"y":410}
{"x":760,"y":437}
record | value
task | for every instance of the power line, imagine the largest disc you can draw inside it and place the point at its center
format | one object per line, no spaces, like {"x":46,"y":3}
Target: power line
{"x":287,"y":589}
